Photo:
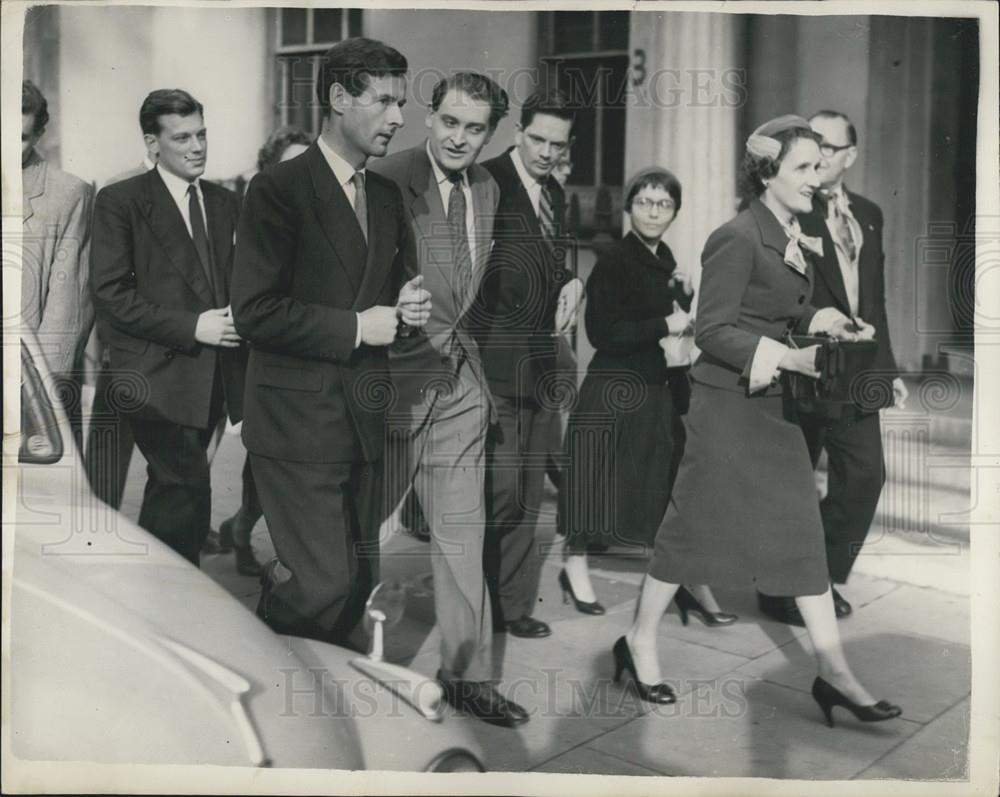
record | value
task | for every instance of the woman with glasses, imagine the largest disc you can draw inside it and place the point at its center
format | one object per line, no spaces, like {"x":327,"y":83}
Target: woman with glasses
{"x":744,"y":508}
{"x":625,"y":435}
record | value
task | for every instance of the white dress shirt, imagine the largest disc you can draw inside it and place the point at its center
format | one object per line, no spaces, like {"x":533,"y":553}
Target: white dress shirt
{"x":178,"y":188}
{"x":531,"y":185}
{"x":344,"y":174}
{"x":445,"y":188}
{"x":848,"y":267}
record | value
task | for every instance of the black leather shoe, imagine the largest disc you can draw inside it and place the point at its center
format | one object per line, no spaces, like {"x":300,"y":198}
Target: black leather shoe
{"x":482,"y":701}
{"x":526,"y":627}
{"x":841,"y":606}
{"x":216,"y":543}
{"x":781,"y":609}
{"x":651,"y":693}
{"x":828,"y":696}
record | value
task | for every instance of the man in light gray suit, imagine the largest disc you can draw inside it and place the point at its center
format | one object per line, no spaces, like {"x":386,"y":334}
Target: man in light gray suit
{"x":55,"y":300}
{"x":444,"y":408}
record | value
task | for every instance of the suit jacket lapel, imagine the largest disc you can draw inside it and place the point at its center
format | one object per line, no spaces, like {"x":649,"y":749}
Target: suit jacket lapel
{"x":32,"y":183}
{"x":337,"y":218}
{"x":168,"y":228}
{"x":434,"y":246}
{"x":773,"y":236}
{"x":827,"y":266}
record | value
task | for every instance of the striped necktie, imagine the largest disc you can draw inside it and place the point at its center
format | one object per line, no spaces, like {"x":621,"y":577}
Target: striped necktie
{"x":546,"y":219}
{"x":459,"y":236}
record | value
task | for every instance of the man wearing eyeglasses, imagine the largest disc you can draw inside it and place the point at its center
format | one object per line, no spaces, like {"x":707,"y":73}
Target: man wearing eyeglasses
{"x":850,"y":277}
{"x":528,"y":298}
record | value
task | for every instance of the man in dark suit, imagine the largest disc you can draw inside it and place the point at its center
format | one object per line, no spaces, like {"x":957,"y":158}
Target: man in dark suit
{"x":320,"y":261}
{"x":850,"y":277}
{"x":527,"y":299}
{"x":55,"y":299}
{"x":444,"y":401}
{"x":162,"y":251}
{"x":109,"y":440}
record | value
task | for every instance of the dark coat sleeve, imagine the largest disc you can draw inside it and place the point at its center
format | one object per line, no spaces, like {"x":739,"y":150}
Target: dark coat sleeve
{"x":263,"y":309}
{"x":727,"y":263}
{"x":611,"y":321}
{"x":113,"y":281}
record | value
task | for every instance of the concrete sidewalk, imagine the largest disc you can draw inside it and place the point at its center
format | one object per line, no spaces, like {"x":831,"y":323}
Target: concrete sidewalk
{"x":744,"y":707}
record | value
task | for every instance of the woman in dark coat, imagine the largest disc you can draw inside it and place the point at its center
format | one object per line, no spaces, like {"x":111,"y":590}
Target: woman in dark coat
{"x":744,"y":507}
{"x":625,"y":435}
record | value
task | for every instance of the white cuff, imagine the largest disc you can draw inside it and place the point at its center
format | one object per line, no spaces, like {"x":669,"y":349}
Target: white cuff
{"x":357,"y":336}
{"x":764,"y":366}
{"x":824,"y":320}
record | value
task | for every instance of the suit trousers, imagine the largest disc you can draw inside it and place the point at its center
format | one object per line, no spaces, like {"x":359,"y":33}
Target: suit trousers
{"x":177,"y":502}
{"x":856,"y":473}
{"x":321,"y":518}
{"x":516,"y":460}
{"x":446,"y":457}
{"x":109,"y":443}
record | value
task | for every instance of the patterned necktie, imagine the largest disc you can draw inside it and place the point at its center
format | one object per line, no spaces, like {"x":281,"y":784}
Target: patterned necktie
{"x":459,"y":236}
{"x":200,"y":237}
{"x":546,"y":219}
{"x":842,"y":224}
{"x":361,"y":203}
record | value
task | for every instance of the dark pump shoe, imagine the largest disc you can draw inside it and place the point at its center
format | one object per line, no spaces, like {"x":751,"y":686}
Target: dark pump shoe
{"x":584,"y":607}
{"x":526,"y":628}
{"x":688,"y":603}
{"x":236,"y":533}
{"x":482,"y":701}
{"x":841,"y":606}
{"x":651,"y":693}
{"x":828,"y":696}
{"x":781,"y":609}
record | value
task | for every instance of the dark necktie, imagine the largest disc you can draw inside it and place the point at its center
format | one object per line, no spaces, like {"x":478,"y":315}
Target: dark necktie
{"x":200,"y":237}
{"x":546,"y":219}
{"x":361,"y":203}
{"x":459,"y":236}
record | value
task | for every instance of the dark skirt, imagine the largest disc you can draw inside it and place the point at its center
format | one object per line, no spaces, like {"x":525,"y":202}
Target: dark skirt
{"x":623,"y":445}
{"x":744,"y":507}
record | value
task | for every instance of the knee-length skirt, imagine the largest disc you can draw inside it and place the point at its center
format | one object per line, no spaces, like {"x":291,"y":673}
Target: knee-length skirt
{"x":744,"y":507}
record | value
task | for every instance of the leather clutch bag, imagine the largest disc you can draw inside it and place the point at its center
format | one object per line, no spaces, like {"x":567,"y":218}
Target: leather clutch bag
{"x":847,"y":376}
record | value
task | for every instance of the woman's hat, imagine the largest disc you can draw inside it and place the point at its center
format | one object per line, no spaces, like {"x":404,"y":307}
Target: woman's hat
{"x":762,"y":144}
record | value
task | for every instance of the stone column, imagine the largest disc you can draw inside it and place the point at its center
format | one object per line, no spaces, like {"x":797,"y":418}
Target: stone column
{"x":683,"y":113}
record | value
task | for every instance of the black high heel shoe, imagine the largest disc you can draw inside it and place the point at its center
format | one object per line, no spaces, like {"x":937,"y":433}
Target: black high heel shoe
{"x":651,"y":693}
{"x":593,"y":607}
{"x":686,"y":602}
{"x":829,"y":696}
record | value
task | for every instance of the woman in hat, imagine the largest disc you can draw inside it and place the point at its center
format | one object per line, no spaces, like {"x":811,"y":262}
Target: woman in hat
{"x":625,"y":435}
{"x":744,"y":505}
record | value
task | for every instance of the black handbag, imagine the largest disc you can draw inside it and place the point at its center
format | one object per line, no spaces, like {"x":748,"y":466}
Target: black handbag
{"x":847,"y":377}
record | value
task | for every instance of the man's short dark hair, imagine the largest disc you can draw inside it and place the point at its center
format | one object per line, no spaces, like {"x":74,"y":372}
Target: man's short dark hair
{"x":33,"y":102}
{"x":351,"y":63}
{"x":478,"y":87}
{"x":163,"y":102}
{"x":552,"y":102}
{"x":852,"y":134}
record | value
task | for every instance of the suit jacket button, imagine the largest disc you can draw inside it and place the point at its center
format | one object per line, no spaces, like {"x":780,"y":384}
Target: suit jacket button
{"x":802,"y":299}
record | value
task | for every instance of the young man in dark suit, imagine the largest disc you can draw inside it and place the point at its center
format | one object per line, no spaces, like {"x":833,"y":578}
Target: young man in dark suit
{"x":444,"y":404}
{"x":850,"y":277}
{"x":162,"y":252}
{"x":320,"y":261}
{"x":527,"y":298}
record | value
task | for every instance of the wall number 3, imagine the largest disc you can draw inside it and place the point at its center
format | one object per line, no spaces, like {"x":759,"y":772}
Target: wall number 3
{"x":638,"y":67}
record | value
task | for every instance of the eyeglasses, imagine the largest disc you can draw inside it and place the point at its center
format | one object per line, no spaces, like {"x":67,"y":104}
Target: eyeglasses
{"x":644,"y":204}
{"x":829,"y":150}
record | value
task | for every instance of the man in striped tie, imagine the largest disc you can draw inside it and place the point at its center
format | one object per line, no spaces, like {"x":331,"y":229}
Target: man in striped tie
{"x":528,"y":298}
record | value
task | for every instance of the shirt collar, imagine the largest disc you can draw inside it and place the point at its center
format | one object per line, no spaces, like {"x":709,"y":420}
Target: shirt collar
{"x":526,"y":178}
{"x":342,"y":170}
{"x":178,"y":187}
{"x":439,"y":175}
